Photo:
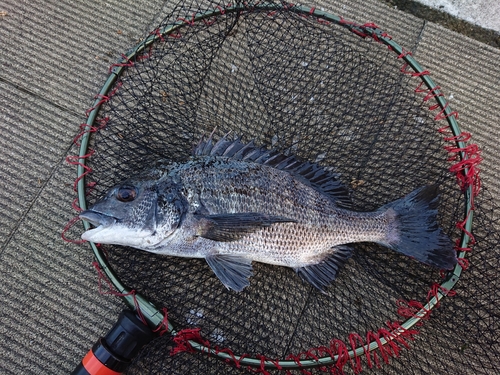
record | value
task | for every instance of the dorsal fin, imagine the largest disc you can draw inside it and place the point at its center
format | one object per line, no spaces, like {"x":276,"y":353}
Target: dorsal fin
{"x":312,"y":174}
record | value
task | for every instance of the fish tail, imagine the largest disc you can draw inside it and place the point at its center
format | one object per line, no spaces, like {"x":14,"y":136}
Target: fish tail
{"x":415,"y":231}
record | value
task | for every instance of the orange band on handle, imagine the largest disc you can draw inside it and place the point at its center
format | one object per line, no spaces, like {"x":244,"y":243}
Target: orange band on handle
{"x":96,"y":367}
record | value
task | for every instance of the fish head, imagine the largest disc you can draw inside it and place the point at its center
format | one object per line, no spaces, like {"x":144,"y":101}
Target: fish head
{"x":134,"y":213}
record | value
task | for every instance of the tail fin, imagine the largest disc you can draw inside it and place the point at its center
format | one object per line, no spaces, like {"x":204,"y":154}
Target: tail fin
{"x":415,"y":230}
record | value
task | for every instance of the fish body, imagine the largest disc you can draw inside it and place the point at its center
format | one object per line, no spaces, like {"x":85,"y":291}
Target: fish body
{"x":234,"y":203}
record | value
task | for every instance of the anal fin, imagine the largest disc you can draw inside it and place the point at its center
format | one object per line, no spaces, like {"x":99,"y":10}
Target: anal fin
{"x":233,"y":271}
{"x":321,"y":274}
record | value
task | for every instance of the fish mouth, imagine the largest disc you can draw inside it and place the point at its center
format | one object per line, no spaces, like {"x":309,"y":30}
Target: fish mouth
{"x":99,"y":220}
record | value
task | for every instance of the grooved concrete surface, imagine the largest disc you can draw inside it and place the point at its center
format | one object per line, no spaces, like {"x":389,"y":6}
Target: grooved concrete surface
{"x":54,"y":57}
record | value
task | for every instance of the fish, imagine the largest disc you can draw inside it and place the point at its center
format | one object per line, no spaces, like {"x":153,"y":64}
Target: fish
{"x":233,"y":203}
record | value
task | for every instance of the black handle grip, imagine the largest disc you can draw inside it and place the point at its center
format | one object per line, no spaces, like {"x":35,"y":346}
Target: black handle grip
{"x":112,"y":354}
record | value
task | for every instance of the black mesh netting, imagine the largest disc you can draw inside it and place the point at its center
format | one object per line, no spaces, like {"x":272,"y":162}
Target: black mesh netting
{"x":315,"y":89}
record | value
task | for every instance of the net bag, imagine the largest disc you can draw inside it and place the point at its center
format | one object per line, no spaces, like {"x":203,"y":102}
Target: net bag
{"x":330,"y":91}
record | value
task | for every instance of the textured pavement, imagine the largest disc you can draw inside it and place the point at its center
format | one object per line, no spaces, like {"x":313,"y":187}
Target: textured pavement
{"x":54,"y":57}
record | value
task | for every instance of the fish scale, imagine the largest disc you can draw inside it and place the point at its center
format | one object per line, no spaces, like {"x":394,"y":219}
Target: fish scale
{"x":319,"y":226}
{"x":234,"y":203}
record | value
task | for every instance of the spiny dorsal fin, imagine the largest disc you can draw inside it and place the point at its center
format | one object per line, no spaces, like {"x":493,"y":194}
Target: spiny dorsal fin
{"x":310,"y":173}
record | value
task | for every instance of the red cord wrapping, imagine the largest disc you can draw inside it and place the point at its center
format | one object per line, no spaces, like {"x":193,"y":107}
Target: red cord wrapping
{"x":395,"y":335}
{"x":163,"y":326}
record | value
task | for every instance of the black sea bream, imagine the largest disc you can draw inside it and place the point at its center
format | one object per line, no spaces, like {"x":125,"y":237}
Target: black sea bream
{"x":234,"y":203}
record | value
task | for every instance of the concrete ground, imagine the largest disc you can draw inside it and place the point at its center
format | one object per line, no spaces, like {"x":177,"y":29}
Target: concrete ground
{"x":54,"y":58}
{"x":484,"y":13}
{"x":454,"y":15}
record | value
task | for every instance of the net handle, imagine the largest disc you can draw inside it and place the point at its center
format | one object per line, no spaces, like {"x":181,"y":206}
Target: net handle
{"x":154,"y":316}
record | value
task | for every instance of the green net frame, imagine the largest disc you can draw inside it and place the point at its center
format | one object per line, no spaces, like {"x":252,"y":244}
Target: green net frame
{"x":154,"y":316}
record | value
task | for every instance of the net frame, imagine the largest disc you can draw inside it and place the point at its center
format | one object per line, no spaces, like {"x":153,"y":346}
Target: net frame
{"x":464,"y":168}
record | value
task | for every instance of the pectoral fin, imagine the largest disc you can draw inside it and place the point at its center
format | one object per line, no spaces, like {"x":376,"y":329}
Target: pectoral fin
{"x":323,"y":273}
{"x":231,"y":227}
{"x":232,"y":271}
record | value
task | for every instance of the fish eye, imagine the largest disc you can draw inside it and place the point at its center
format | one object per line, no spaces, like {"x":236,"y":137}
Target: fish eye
{"x":126,"y":194}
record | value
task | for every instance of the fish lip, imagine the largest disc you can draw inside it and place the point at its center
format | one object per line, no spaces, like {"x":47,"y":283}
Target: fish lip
{"x":97,"y":219}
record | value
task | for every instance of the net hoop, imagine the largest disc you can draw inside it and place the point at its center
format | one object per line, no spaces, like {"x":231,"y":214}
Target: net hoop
{"x":154,"y":316}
